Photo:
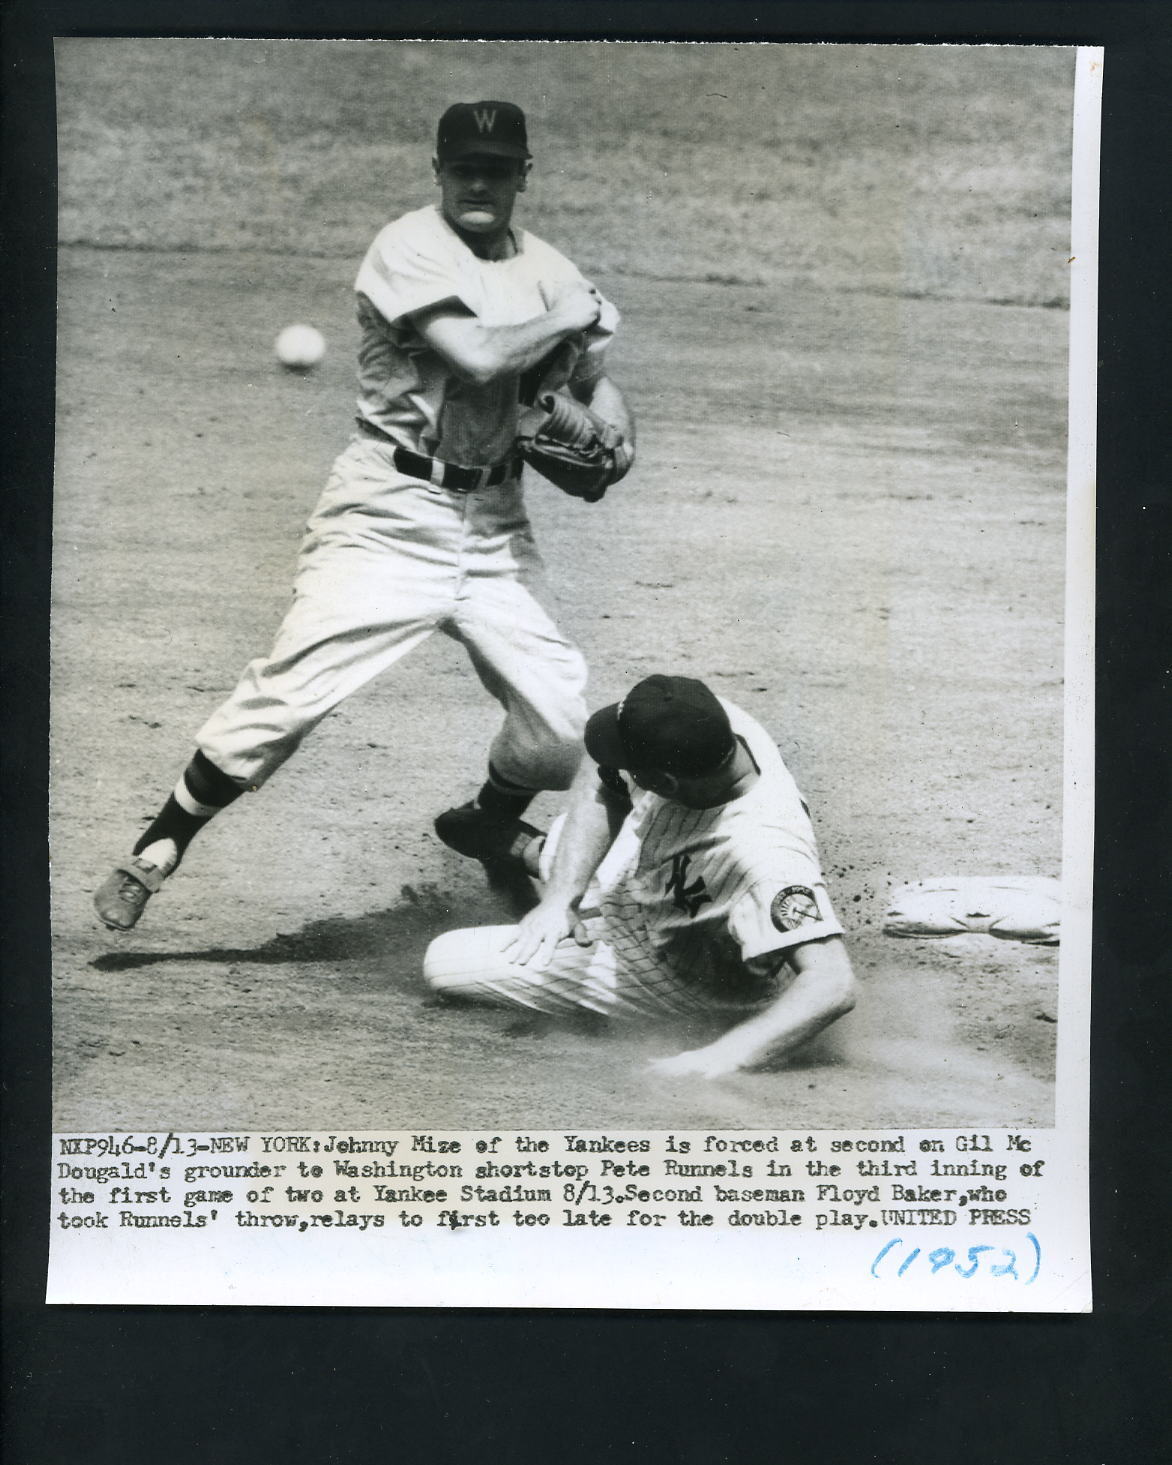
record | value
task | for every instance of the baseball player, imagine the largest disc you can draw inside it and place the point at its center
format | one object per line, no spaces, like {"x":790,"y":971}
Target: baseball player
{"x":422,"y":524}
{"x":684,"y":880}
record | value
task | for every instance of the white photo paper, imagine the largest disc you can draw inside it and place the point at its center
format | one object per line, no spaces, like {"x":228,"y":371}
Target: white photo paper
{"x":846,"y":295}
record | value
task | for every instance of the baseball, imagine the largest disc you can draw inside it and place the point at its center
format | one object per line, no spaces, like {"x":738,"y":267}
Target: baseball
{"x":300,"y":347}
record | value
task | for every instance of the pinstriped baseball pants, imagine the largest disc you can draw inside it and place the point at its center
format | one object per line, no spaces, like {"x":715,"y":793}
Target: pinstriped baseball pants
{"x":614,"y":975}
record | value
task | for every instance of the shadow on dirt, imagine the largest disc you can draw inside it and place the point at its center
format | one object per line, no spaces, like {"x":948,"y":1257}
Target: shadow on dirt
{"x":419,"y":916}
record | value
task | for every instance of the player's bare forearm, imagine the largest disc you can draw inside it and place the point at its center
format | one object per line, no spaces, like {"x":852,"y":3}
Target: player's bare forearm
{"x":586,"y":835}
{"x":603,"y":397}
{"x":481,"y":353}
{"x":822,"y":991}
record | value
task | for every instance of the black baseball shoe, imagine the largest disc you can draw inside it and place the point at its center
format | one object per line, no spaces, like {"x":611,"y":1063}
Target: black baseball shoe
{"x":122,"y":897}
{"x":495,"y":840}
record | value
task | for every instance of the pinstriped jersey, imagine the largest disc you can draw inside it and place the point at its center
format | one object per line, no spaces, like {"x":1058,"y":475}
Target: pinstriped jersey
{"x":715,"y":896}
{"x":405,"y":388}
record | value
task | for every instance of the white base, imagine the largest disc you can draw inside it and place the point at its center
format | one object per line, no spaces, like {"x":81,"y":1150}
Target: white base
{"x":1014,"y":908}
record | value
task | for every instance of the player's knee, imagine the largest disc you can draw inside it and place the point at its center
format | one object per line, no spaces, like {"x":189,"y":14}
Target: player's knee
{"x":550,"y":767}
{"x":561,"y":771}
{"x":444,"y":964}
{"x":461,"y":959}
{"x":561,"y":756}
{"x":566,"y":714}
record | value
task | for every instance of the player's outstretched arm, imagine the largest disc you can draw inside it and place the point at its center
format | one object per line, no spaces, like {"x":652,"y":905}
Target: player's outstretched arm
{"x":590,"y":826}
{"x":480,"y":353}
{"x":822,"y":991}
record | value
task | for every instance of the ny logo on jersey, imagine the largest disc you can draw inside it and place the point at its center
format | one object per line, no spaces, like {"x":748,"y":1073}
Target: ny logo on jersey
{"x":687,"y":897}
{"x":485,"y":120}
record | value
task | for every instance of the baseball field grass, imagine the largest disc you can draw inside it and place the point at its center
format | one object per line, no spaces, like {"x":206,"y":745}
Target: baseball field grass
{"x":842,"y":273}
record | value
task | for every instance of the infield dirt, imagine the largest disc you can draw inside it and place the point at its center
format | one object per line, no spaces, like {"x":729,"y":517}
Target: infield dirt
{"x":846,"y":348}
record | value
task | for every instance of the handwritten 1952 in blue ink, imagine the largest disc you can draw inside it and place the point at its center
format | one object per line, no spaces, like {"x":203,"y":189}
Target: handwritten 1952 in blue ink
{"x":894,"y":1260}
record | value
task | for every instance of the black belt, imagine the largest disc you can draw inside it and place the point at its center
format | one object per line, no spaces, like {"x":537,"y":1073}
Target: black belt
{"x":438,"y":473}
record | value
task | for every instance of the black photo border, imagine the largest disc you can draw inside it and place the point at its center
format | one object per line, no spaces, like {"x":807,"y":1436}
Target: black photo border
{"x":226,"y":1384}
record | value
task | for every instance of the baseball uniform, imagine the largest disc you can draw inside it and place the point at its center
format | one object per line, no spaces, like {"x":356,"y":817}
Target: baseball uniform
{"x":391,"y":554}
{"x":690,"y":910}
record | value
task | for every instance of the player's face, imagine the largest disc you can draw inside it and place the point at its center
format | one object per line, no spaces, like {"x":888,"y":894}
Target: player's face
{"x":478,"y":193}
{"x":656,"y":782}
{"x":691,"y":793}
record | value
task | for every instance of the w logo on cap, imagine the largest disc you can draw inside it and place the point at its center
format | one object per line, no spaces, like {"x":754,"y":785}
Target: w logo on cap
{"x":494,"y":129}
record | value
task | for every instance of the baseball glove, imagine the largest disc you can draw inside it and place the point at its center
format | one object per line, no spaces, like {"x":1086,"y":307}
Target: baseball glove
{"x":572,"y":446}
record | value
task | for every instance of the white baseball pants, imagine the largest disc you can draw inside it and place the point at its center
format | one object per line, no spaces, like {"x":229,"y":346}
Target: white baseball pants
{"x":386,"y":561}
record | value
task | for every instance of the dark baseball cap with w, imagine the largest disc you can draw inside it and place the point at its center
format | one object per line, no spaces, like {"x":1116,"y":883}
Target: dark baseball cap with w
{"x":670,"y":724}
{"x":490,"y":129}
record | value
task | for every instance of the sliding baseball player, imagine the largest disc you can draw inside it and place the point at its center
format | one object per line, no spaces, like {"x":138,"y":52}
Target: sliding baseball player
{"x":684,"y":880}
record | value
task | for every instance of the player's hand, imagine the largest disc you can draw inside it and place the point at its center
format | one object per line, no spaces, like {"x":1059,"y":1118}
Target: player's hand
{"x":576,"y":303}
{"x":539,"y":932}
{"x":696,"y":1063}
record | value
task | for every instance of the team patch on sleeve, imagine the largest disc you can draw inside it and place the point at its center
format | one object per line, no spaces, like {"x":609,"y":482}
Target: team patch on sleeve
{"x":793,"y":907}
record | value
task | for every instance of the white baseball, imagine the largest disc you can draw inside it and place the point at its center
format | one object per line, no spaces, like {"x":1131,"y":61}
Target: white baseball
{"x":299,"y":347}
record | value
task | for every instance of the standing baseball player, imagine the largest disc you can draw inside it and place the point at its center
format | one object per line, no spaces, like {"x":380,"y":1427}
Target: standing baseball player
{"x":684,"y":880}
{"x":422,"y":525}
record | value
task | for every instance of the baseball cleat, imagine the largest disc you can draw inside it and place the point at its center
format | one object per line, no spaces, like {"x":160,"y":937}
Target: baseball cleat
{"x":471,"y":831}
{"x":122,"y":898}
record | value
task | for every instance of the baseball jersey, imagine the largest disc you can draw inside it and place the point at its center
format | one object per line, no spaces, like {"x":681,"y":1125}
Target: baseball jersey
{"x":715,"y":896}
{"x":406,"y":389}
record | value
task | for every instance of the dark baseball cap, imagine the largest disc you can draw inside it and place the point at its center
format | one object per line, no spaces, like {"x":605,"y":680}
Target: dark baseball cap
{"x":671,"y":724}
{"x":493,"y":129}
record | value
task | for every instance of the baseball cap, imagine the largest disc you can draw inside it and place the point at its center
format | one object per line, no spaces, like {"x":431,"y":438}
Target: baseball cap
{"x":493,"y":128}
{"x":671,"y":724}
